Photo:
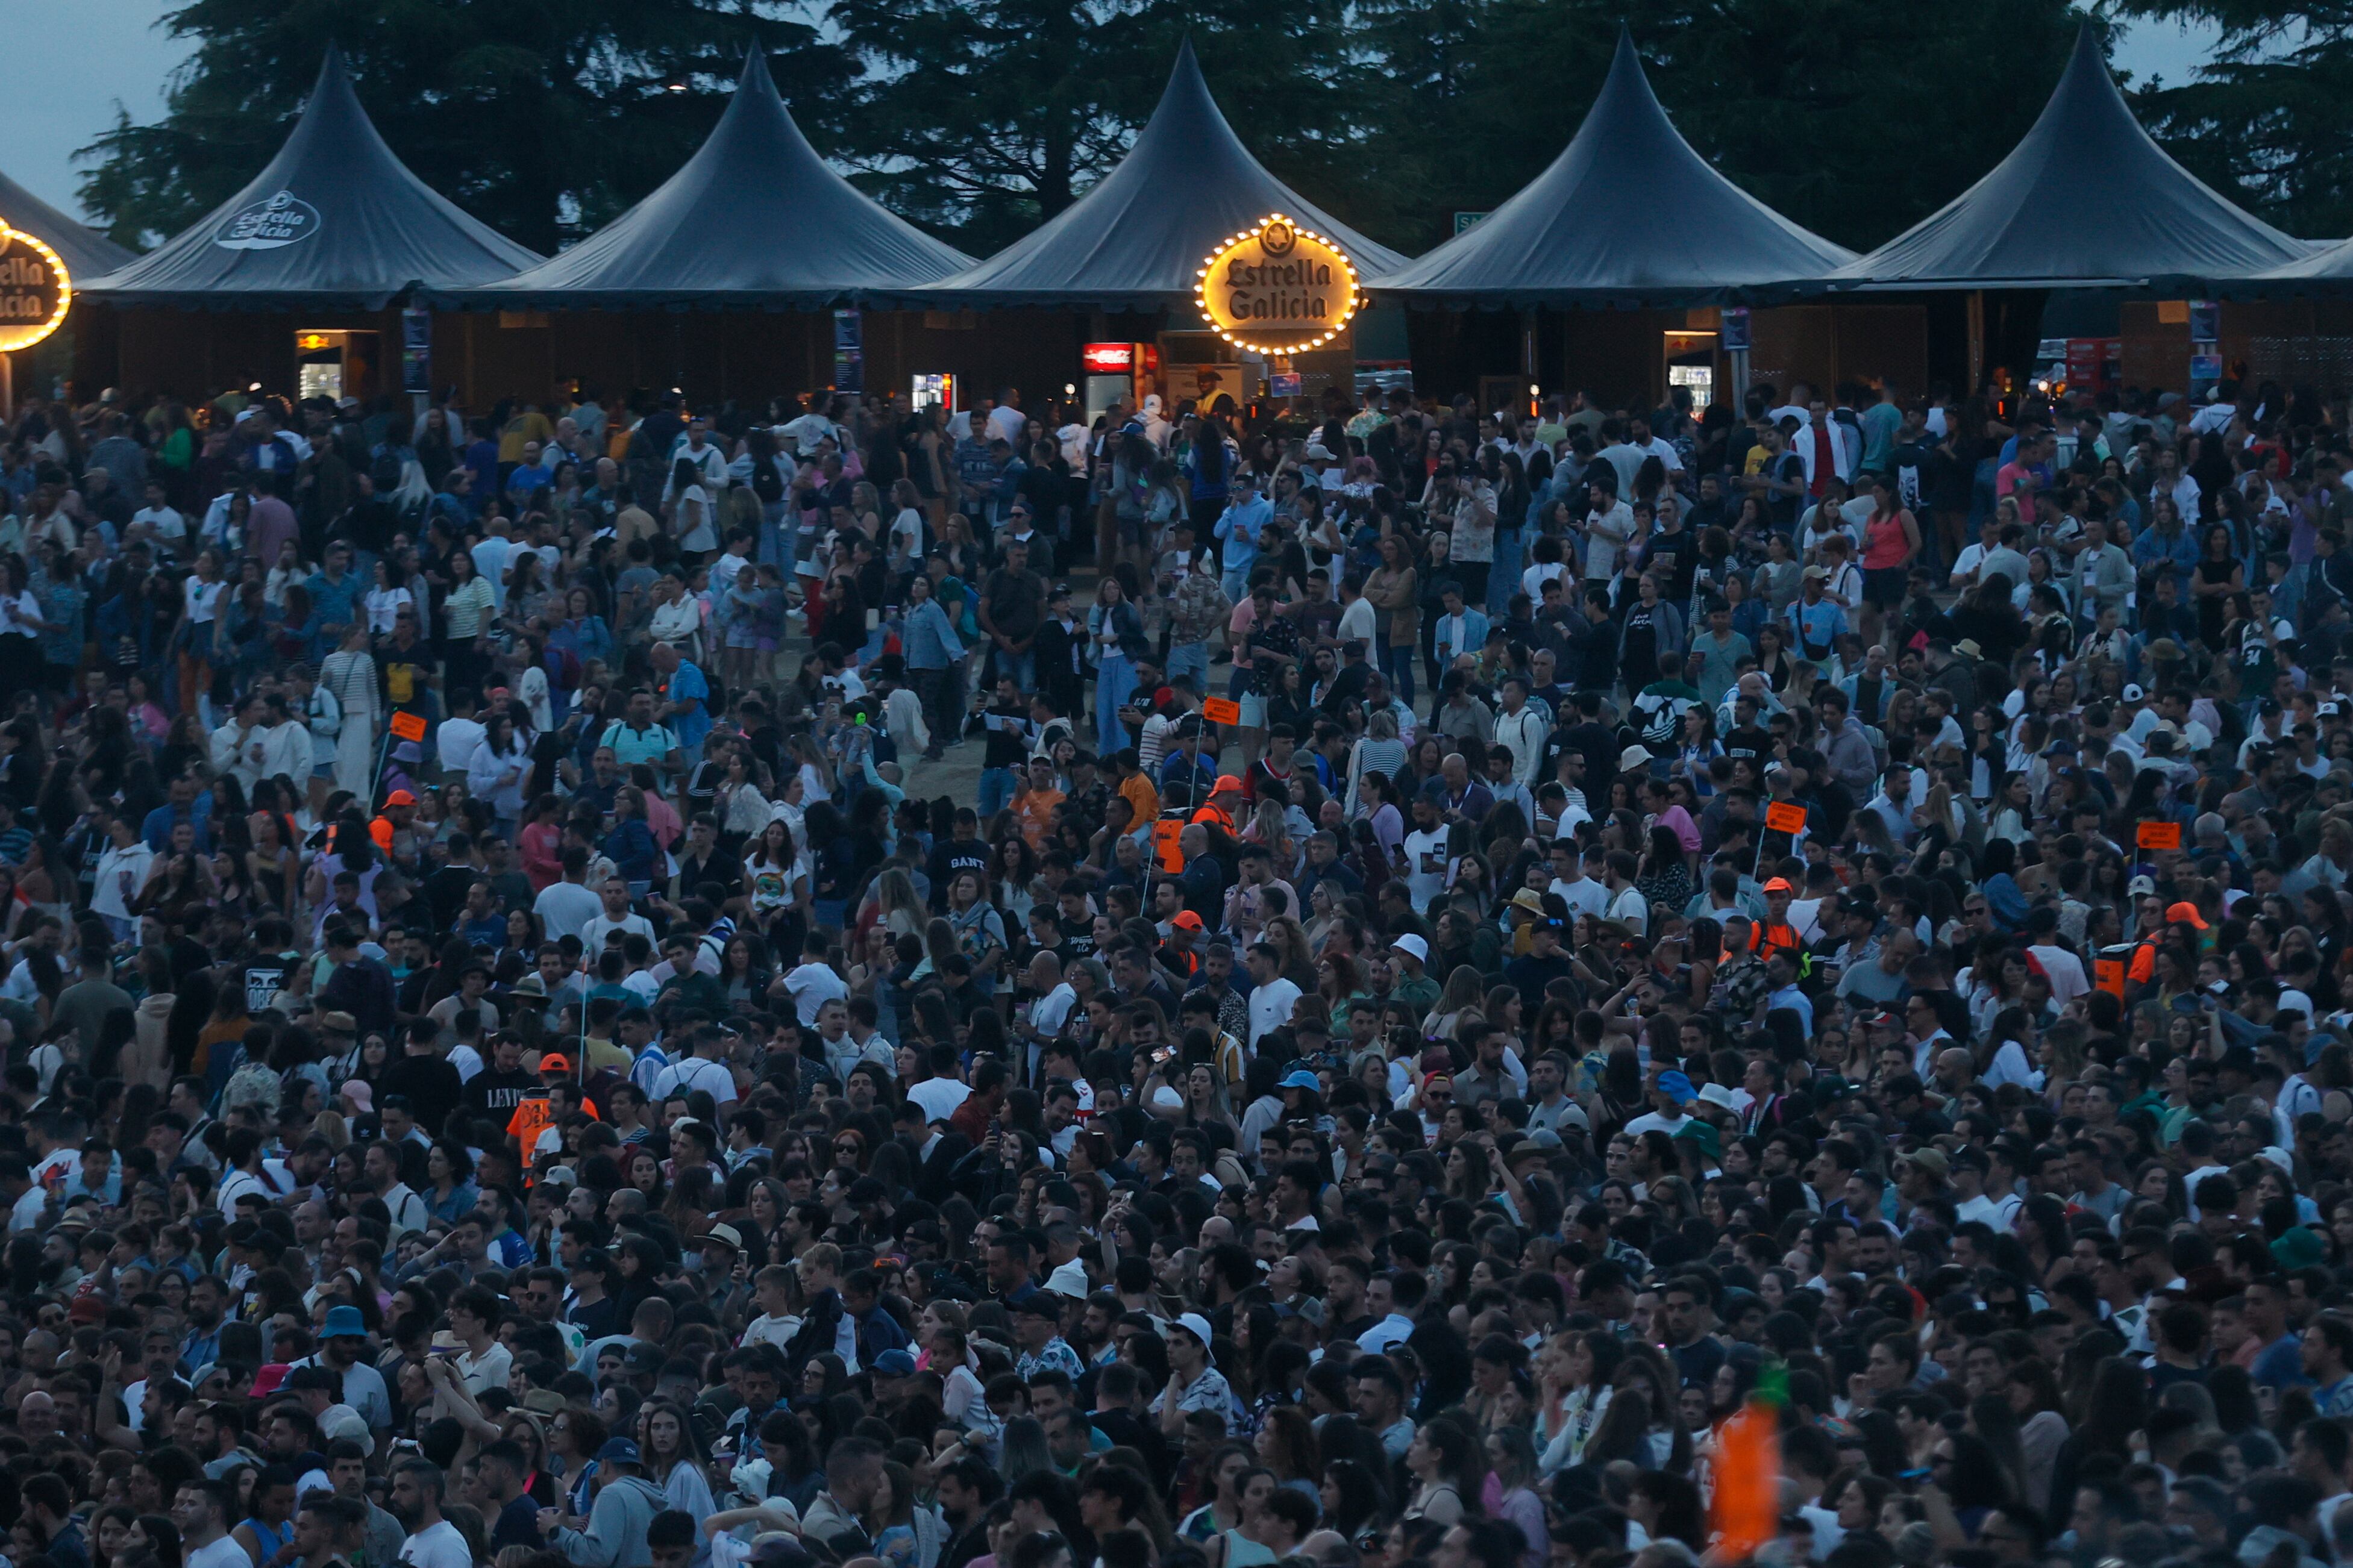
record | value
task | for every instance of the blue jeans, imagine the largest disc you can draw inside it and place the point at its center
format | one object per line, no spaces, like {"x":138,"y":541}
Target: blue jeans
{"x":1396,"y":663}
{"x":1190,"y":659}
{"x":1237,"y":581}
{"x":1504,"y":579}
{"x":1114,"y":684}
{"x":780,"y":540}
{"x":1021,"y":667}
{"x":997,"y":790}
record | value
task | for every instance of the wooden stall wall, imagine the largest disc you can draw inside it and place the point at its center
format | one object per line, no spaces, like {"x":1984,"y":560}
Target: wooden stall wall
{"x":1035,"y":352}
{"x":1825,"y":343}
{"x":2297,"y":343}
{"x":195,"y":356}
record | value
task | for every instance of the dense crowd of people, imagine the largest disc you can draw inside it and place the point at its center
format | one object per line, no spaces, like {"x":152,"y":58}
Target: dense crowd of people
{"x":1467,"y":950}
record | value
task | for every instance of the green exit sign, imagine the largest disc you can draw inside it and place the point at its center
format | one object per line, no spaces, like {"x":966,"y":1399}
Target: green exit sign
{"x":1465,"y":221}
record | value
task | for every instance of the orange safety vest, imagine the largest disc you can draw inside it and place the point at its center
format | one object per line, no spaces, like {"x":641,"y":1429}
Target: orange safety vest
{"x":531,"y":1118}
{"x":1165,"y":834}
{"x":1767,"y":939}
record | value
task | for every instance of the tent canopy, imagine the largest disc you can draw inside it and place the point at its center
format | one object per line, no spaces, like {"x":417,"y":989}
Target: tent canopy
{"x":754,"y":218}
{"x":2086,"y":197}
{"x":1137,"y":238}
{"x":335,"y":221}
{"x":87,"y":253}
{"x":1628,"y":213}
{"x":2328,"y":271}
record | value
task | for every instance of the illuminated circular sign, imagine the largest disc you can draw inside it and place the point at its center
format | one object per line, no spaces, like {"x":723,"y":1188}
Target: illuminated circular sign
{"x":34,"y":291}
{"x":1278,"y":289}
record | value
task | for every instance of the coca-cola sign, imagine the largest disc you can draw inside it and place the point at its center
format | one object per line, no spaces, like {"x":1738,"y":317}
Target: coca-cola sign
{"x":280,"y":220}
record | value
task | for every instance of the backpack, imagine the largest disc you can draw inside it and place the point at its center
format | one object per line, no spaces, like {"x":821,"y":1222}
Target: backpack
{"x":767,"y":483}
{"x":563,"y":668}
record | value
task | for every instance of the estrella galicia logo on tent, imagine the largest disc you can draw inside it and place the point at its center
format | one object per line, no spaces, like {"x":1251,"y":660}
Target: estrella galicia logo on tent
{"x":279,"y":220}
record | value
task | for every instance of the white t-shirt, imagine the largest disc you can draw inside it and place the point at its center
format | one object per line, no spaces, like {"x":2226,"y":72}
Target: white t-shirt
{"x":1051,"y":1011}
{"x":384,"y":607}
{"x":163,"y":522}
{"x":812,"y":986}
{"x":693,"y":1073}
{"x":437,"y":1546}
{"x":939,"y":1097}
{"x":459,"y":739}
{"x":592,"y":934}
{"x":907,"y":534}
{"x":2065,"y":972}
{"x":18,"y":611}
{"x":107,"y":897}
{"x":1269,"y":1007}
{"x":1427,"y":857}
{"x":1586,"y":896}
{"x":566,"y":909}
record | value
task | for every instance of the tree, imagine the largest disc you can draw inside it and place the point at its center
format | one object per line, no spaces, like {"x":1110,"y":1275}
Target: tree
{"x":2271,"y":121}
{"x":981,"y":119}
{"x":1856,"y":117}
{"x":544,"y":119}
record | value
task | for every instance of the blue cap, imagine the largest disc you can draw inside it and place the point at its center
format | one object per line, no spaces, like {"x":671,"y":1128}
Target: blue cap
{"x":1301,"y":1079}
{"x":343,"y":1323}
{"x":617,"y":1451}
{"x":895,"y":1364}
{"x":1677,"y":1087}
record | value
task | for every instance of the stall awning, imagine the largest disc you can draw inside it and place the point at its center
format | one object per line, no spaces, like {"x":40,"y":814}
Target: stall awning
{"x":1136,"y":240}
{"x":1627,"y":215}
{"x":87,"y":253}
{"x":2086,"y":197}
{"x":753,"y":219}
{"x":335,"y":222}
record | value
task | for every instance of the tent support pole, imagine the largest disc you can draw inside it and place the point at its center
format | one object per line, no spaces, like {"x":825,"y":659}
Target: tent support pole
{"x":1976,"y":339}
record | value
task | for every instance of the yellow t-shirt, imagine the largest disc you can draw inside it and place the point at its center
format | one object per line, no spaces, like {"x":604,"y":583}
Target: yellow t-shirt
{"x":529,"y":426}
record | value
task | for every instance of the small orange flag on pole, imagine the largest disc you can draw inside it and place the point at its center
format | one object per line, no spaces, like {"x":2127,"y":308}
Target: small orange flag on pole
{"x":1745,"y":1511}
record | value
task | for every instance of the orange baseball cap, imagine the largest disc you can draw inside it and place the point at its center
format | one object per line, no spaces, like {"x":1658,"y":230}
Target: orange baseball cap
{"x":1186,"y":919}
{"x":1226,"y":782}
{"x":1779,"y":885}
{"x":2185,"y":912}
{"x":400,"y":797}
{"x":555,"y":1061}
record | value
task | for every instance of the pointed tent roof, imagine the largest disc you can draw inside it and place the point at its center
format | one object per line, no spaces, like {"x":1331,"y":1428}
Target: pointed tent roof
{"x":87,"y":253}
{"x":1628,"y":213}
{"x":755,"y":218}
{"x":2036,"y":221}
{"x":1137,"y":238}
{"x":334,"y":219}
{"x":2328,"y":271}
